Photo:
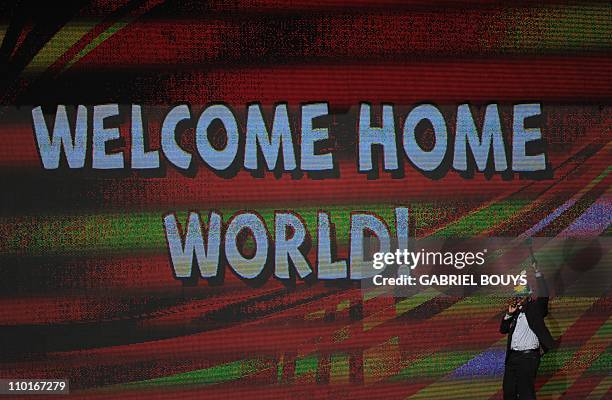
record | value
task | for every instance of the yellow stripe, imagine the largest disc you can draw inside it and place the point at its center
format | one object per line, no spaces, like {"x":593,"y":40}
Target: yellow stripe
{"x":59,"y":44}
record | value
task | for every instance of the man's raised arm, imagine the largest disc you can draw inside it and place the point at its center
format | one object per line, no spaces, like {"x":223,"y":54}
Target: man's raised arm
{"x":542,"y":300}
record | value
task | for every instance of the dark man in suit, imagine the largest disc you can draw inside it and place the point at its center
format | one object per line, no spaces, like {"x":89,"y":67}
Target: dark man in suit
{"x":528,"y":339}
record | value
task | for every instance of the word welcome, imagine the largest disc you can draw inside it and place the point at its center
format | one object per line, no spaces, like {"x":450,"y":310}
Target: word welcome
{"x":276,"y":145}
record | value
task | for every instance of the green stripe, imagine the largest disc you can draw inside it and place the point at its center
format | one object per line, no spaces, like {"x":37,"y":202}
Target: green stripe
{"x":484,"y":219}
{"x":96,"y":42}
{"x":106,"y":233}
{"x":207,"y":376}
{"x":603,"y":363}
{"x":306,"y":365}
{"x":435,"y":365}
{"x":561,"y":28}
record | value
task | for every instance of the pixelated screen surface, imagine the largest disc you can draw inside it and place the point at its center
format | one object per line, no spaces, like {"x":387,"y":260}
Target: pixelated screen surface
{"x":301,"y":120}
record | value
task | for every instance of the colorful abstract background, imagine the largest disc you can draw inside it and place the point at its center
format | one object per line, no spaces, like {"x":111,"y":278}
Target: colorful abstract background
{"x":86,"y":288}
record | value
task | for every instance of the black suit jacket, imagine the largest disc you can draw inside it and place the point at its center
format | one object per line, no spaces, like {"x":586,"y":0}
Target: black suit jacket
{"x":535,"y":311}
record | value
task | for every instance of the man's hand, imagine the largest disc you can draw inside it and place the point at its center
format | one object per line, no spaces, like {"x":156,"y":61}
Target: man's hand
{"x":536,"y":271}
